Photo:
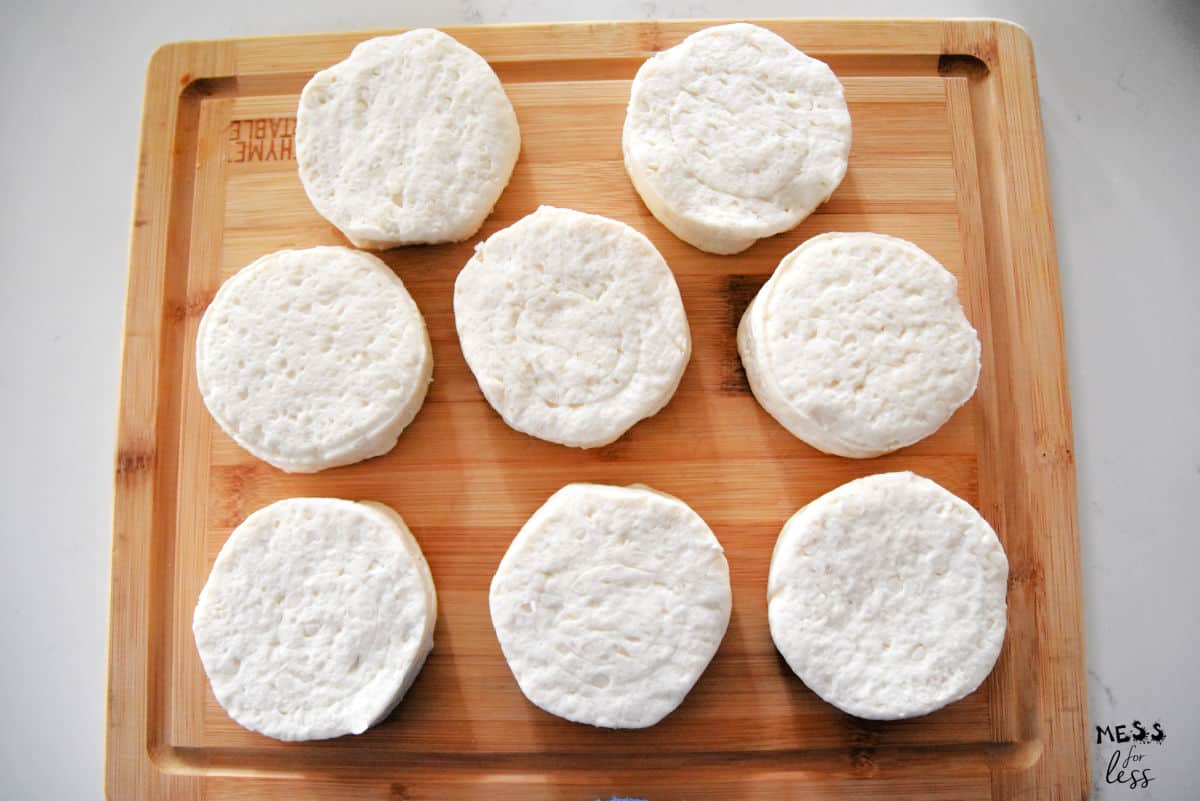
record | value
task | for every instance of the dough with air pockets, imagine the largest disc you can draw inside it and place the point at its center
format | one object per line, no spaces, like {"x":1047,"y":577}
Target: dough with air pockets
{"x":734,"y":135}
{"x":858,"y":344}
{"x":316,"y":618}
{"x":314,"y":358}
{"x":410,"y":140}
{"x":572,"y":325}
{"x":886,"y":596}
{"x":609,"y":604}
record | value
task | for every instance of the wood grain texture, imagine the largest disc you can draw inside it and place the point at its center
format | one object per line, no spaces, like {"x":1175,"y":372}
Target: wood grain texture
{"x":947,"y":152}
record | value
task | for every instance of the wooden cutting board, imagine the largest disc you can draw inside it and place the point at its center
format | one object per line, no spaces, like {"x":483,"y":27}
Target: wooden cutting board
{"x":947,"y":152}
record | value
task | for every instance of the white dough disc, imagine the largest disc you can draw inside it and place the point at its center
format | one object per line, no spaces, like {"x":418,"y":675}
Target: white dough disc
{"x":858,"y":344}
{"x":734,"y":135}
{"x":316,"y":618}
{"x":573,"y":326}
{"x":609,"y":604}
{"x":313,"y":358}
{"x":410,"y":140}
{"x":886,"y":596}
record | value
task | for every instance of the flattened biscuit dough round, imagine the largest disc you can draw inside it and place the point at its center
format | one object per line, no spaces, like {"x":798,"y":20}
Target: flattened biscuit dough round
{"x":573,"y":326}
{"x":316,"y":618}
{"x":886,"y":596}
{"x":313,"y":358}
{"x":410,"y":140}
{"x":609,"y":604}
{"x":734,"y":135}
{"x":858,"y":344}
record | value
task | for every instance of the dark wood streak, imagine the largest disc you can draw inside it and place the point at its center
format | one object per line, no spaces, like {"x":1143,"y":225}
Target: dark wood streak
{"x":234,"y":482}
{"x":864,"y":733}
{"x":864,"y":742}
{"x":194,"y":307}
{"x":738,"y":291}
{"x":1022,"y":575}
{"x":652,"y":38}
{"x":133,"y":461}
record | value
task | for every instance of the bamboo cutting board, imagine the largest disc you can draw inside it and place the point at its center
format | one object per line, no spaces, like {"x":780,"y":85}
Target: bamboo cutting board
{"x":947,"y":152}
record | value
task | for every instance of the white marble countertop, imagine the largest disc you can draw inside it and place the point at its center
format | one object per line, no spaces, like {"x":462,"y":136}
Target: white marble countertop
{"x":1120,"y":87}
